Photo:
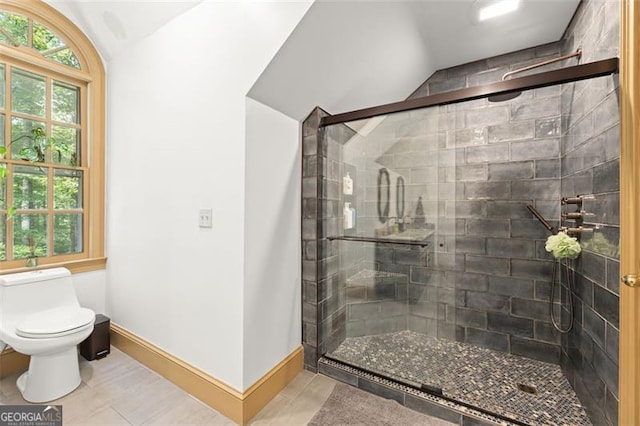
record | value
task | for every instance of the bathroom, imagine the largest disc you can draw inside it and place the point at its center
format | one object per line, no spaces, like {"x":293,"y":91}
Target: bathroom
{"x":228,"y":283}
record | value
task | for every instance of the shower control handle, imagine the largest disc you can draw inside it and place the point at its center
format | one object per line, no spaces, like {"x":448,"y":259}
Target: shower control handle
{"x":630,"y":279}
{"x":571,"y":200}
{"x":573,"y":216}
{"x":578,"y":199}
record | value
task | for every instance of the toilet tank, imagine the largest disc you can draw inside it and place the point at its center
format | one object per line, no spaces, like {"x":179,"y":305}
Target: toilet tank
{"x":34,"y":291}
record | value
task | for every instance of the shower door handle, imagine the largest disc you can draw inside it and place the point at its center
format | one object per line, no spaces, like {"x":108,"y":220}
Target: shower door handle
{"x":630,"y":279}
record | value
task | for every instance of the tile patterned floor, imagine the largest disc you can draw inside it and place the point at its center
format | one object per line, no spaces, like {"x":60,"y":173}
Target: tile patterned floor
{"x":117,"y":390}
{"x":481,"y":377}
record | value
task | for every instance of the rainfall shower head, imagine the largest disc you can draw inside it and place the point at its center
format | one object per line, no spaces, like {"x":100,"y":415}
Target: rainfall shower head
{"x":512,"y":95}
{"x":504,"y":97}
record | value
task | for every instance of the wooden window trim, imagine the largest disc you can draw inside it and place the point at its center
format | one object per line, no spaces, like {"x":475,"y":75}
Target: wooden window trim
{"x":91,"y":74}
{"x":629,"y":95}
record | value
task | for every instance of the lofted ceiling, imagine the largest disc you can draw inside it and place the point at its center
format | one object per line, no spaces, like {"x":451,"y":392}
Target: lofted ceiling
{"x":346,"y":54}
{"x":112,"y":25}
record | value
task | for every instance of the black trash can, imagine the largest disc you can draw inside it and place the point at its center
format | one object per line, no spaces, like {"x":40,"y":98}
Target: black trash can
{"x":98,"y":344}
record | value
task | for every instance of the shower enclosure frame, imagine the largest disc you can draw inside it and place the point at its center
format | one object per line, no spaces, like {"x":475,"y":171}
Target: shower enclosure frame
{"x":629,"y":89}
{"x":322,"y":119}
{"x":544,"y":79}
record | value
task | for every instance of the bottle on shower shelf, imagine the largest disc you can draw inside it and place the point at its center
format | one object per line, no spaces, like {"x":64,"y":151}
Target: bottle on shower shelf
{"x":419,"y":219}
{"x":353,"y":216}
{"x":349,"y":216}
{"x":347,"y":185}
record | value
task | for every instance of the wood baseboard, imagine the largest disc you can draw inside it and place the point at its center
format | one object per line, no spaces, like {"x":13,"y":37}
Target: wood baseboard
{"x":12,"y":362}
{"x":265,"y":389}
{"x":238,"y":406}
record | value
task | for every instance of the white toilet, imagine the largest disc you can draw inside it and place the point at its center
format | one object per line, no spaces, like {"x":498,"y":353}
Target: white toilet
{"x":40,"y":316}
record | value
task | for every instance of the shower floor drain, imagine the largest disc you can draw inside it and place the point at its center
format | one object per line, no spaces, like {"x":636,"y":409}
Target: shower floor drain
{"x":527,"y":388}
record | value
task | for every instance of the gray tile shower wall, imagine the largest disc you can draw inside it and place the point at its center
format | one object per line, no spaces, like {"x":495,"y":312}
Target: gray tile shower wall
{"x":332,"y":276}
{"x":590,"y":165}
{"x":376,"y":303}
{"x":488,"y":280}
{"x":324,"y":291}
{"x":485,"y":279}
{"x":312,"y":252}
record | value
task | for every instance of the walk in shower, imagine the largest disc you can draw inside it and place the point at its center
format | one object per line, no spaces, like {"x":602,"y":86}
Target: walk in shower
{"x":425,"y":271}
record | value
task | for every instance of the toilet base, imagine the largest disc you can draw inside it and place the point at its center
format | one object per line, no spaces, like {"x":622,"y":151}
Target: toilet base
{"x":50,"y":376}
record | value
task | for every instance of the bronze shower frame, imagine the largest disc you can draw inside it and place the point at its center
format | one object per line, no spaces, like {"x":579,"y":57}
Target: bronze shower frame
{"x":535,"y":81}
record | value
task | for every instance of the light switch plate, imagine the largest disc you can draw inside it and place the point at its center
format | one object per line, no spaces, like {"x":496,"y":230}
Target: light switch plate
{"x":204,"y":218}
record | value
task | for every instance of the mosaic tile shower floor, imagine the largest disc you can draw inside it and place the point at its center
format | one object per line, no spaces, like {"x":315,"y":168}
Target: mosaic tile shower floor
{"x":480,"y":377}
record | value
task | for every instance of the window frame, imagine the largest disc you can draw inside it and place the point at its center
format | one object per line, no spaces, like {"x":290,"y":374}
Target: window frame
{"x":91,"y":80}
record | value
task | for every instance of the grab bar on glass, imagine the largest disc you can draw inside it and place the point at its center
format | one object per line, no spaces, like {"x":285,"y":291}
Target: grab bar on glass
{"x":381,"y":240}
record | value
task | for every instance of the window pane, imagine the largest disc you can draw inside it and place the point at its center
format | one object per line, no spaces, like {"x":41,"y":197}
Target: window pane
{"x":2,"y":80}
{"x":65,"y":102}
{"x":29,"y":235}
{"x":65,"y":57}
{"x":16,"y":26}
{"x":1,"y":132}
{"x":3,"y":167}
{"x":3,"y":187}
{"x":3,"y":238}
{"x":29,"y":188}
{"x":68,"y":144}
{"x":67,"y":234}
{"x":44,"y":39}
{"x":67,"y":189}
{"x":4,"y":39}
{"x":28,"y":92}
{"x":24,"y":136}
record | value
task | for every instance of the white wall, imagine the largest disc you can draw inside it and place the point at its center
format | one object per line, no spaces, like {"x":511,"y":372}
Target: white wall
{"x":357,"y":53}
{"x":114,"y":25}
{"x":91,"y":290}
{"x":176,"y":143}
{"x":272,"y":323}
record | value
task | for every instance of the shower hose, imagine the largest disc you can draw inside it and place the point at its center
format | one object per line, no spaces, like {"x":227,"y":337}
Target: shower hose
{"x":555,"y":273}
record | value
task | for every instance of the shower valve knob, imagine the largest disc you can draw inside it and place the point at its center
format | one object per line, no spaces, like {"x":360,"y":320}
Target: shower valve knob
{"x":571,"y":200}
{"x":577,"y":231}
{"x":574,"y":216}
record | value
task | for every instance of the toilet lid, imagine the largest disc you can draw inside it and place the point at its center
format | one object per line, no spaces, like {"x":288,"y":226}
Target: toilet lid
{"x":54,"y":322}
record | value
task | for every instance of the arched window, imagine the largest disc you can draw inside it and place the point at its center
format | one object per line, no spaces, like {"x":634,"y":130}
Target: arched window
{"x":52,"y":108}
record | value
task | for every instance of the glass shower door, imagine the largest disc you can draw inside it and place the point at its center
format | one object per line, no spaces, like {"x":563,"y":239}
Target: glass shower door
{"x":391,"y":176}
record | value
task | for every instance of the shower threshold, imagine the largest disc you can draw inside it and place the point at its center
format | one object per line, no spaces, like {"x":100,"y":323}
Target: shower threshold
{"x":511,"y":387}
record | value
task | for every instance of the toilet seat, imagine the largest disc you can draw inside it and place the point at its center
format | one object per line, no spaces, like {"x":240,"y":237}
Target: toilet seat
{"x":54,"y":322}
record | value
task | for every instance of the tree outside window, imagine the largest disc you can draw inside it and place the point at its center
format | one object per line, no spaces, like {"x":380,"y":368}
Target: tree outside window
{"x":44,"y":196}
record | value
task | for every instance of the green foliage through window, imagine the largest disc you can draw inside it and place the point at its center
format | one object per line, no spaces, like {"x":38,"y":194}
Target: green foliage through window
{"x":16,"y":29}
{"x":39,"y":172}
{"x":46,"y":95}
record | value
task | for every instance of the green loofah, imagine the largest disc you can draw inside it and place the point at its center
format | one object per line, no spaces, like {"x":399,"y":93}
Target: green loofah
{"x":563,"y":246}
